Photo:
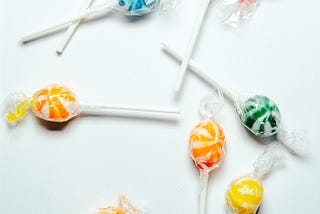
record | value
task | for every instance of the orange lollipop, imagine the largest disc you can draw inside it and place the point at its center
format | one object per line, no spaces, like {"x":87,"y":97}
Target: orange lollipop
{"x":207,"y":145}
{"x":57,"y":103}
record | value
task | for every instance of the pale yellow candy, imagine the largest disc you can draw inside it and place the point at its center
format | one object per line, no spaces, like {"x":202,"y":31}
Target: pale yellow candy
{"x":244,"y":195}
{"x":16,"y":105}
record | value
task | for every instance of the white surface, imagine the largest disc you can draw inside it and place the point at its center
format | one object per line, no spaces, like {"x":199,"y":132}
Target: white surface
{"x":92,"y":160}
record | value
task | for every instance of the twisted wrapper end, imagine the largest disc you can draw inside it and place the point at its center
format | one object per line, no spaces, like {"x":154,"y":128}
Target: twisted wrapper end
{"x":268,"y":160}
{"x":295,"y":141}
{"x":16,"y":106}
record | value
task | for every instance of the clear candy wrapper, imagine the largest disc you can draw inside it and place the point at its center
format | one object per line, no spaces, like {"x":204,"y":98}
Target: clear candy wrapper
{"x":245,"y":193}
{"x":236,"y":12}
{"x":207,"y":146}
{"x":124,"y":207}
{"x":57,"y":103}
{"x":258,"y":113}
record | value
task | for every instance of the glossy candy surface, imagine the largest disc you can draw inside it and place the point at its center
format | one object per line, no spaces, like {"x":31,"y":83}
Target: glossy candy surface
{"x":207,"y":145}
{"x":260,"y":115}
{"x":137,"y":7}
{"x":244,"y":195}
{"x":55,"y":103}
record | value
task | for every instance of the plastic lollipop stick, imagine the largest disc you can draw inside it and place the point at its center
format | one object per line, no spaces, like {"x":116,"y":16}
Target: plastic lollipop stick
{"x":57,"y":103}
{"x":96,"y":10}
{"x":95,"y":109}
{"x":197,"y":70}
{"x":72,"y":29}
{"x":192,"y":43}
{"x":204,"y":178}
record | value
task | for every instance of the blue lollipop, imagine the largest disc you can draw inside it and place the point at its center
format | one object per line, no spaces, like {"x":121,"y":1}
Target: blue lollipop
{"x":126,"y":7}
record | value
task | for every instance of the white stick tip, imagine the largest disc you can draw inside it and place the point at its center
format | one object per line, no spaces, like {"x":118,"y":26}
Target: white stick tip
{"x":59,"y":51}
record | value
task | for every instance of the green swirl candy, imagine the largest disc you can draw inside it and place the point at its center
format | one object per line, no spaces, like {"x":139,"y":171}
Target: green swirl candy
{"x":260,"y":115}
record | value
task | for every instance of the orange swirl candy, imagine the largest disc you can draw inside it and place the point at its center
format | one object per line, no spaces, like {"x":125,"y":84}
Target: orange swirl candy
{"x":55,"y":103}
{"x":207,"y":145}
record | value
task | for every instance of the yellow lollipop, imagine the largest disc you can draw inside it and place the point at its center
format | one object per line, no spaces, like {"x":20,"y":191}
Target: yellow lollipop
{"x":245,"y":193}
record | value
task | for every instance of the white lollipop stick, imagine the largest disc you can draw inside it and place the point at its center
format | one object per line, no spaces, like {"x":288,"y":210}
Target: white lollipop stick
{"x":72,"y":29}
{"x":197,"y":70}
{"x":192,"y":43}
{"x":204,"y":177}
{"x":96,"y":109}
{"x":99,"y":9}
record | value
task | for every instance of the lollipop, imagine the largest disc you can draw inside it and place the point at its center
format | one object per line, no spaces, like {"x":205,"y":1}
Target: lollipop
{"x":124,"y":207}
{"x":245,"y":193}
{"x":57,"y":103}
{"x":207,"y":149}
{"x":126,"y":7}
{"x":259,"y":114}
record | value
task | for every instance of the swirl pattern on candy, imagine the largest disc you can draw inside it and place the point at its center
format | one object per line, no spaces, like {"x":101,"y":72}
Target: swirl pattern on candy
{"x":137,"y":7}
{"x":260,"y":115}
{"x":206,"y":144}
{"x":55,"y":103}
{"x":244,"y":195}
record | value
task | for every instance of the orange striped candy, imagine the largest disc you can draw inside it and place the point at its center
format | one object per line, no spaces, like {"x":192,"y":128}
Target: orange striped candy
{"x":207,"y":145}
{"x":55,"y":103}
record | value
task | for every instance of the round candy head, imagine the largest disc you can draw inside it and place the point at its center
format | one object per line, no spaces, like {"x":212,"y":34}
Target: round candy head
{"x":137,"y":7}
{"x":260,"y":115}
{"x":207,"y":145}
{"x":55,"y":103}
{"x":244,"y":195}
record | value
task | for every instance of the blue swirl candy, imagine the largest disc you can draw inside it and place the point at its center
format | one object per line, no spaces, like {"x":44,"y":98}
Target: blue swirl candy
{"x":137,"y":7}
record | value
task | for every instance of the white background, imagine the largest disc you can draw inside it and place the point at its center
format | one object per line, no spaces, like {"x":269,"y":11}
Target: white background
{"x":116,"y":60}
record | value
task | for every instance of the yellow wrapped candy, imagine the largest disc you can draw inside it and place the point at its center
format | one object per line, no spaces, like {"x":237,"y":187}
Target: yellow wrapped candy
{"x":244,"y":195}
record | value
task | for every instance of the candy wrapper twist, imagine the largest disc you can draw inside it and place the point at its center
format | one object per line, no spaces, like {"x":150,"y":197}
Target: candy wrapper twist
{"x":258,"y":113}
{"x":207,"y":148}
{"x":57,"y":103}
{"x":245,"y":193}
{"x":236,"y":12}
